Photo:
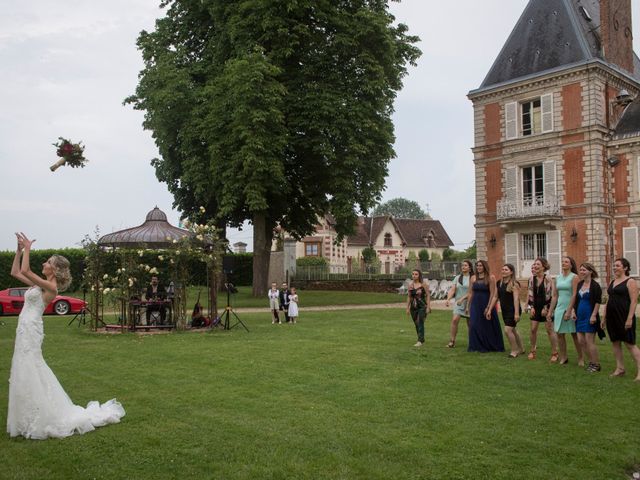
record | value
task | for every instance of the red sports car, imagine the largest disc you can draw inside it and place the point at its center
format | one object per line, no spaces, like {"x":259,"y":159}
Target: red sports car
{"x":12,"y":300}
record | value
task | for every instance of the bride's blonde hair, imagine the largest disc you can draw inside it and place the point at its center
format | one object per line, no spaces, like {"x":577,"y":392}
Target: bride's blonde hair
{"x":62,"y":271}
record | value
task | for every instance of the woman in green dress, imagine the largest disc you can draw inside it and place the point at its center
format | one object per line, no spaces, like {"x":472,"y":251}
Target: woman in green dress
{"x":563,"y":296}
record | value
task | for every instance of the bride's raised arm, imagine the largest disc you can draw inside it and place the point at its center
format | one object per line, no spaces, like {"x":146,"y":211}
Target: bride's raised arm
{"x":49,"y":284}
{"x":15,"y":267}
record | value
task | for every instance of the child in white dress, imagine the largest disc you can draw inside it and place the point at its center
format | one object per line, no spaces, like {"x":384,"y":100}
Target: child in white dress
{"x":293,"y":305}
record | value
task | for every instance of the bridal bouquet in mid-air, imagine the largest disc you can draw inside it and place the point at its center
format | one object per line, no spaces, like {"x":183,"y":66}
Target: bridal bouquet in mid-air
{"x":70,"y":154}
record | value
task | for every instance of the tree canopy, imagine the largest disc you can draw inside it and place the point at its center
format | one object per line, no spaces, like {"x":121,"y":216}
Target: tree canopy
{"x":273,"y":111}
{"x":401,"y":208}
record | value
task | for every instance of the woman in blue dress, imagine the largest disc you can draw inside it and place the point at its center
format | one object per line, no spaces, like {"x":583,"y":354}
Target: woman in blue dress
{"x":586,"y":307}
{"x":485,"y":334}
{"x":563,"y":295}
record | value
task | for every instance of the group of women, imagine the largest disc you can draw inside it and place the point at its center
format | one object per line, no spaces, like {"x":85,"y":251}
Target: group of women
{"x":567,"y":304}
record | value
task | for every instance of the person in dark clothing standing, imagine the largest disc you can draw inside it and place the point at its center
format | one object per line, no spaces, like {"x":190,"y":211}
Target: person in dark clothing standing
{"x":156,"y":293}
{"x":418,"y":304}
{"x":284,"y":301}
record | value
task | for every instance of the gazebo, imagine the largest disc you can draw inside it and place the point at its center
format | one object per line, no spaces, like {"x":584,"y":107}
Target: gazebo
{"x":155,"y":232}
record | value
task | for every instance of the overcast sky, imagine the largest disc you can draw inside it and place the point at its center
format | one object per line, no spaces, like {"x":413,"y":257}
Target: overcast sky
{"x":67,"y":65}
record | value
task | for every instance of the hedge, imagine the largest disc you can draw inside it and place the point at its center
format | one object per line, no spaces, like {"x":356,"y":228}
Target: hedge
{"x":312,"y":262}
{"x":242,"y":274}
{"x":38,"y":257}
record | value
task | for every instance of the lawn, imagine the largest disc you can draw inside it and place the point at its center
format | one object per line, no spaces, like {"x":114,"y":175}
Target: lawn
{"x":340,"y":395}
{"x":244,"y":299}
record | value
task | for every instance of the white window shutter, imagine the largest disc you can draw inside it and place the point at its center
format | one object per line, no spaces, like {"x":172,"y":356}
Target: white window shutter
{"x":549,"y":178}
{"x":638,"y":172}
{"x":630,"y":247}
{"x":511,"y":184}
{"x":553,"y":252}
{"x":546,"y":103}
{"x":511,"y":120}
{"x":511,"y":250}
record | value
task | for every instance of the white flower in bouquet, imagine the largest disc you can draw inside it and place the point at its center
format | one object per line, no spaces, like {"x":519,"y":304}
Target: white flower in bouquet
{"x":160,"y":257}
{"x":131,"y":282}
{"x":106,"y":290}
{"x":154,"y":271}
{"x":105,"y":276}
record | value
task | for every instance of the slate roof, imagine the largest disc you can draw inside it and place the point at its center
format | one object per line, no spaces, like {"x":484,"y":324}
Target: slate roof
{"x":629,"y":124}
{"x":155,"y":232}
{"x":550,"y":35}
{"x":412,"y":232}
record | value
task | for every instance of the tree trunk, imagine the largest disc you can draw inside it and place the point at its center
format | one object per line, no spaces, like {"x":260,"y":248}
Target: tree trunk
{"x":262,"y":236}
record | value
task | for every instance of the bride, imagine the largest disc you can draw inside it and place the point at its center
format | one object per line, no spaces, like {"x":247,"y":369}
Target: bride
{"x":39,"y":407}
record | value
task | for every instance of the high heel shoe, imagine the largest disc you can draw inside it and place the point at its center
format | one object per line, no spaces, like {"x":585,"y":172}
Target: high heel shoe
{"x":594,"y":367}
{"x":564,"y":362}
{"x":451,"y":344}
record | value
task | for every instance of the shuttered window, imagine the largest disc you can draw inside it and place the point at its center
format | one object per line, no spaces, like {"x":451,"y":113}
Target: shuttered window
{"x":531,"y":117}
{"x":554,"y":255}
{"x":546,"y":102}
{"x":511,"y":184}
{"x":630,"y":248}
{"x":549,"y":179}
{"x":511,"y":120}
{"x":511,"y":249}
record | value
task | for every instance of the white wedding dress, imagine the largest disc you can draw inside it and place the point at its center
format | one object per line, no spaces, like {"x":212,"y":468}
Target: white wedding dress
{"x":39,"y":407}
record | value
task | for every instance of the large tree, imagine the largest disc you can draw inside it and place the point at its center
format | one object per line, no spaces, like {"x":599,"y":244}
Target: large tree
{"x":275,"y":111}
{"x":401,"y":208}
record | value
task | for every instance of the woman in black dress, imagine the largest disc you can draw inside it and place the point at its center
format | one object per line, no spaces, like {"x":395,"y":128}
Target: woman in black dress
{"x":620,"y":318}
{"x":508,"y":294}
{"x":540,"y":294}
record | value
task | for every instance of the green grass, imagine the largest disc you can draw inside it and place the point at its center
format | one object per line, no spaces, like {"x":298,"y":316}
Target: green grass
{"x":315,"y":298}
{"x":340,"y":395}
{"x":308,"y":298}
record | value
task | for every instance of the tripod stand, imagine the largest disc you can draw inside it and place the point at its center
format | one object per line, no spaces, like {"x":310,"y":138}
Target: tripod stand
{"x":228,"y":310}
{"x":81,"y":315}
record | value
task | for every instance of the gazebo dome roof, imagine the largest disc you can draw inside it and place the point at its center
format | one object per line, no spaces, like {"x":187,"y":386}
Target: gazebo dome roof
{"x":156,"y":214}
{"x":155,"y":232}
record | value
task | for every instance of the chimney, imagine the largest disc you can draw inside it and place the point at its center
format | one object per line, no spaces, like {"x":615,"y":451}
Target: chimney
{"x":617,"y":34}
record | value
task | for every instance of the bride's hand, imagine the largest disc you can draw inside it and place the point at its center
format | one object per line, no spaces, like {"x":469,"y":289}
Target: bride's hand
{"x":20,"y":242}
{"x":26,"y":243}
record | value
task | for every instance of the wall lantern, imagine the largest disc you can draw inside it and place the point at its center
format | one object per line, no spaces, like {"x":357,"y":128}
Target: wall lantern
{"x":574,"y":235}
{"x":492,"y":240}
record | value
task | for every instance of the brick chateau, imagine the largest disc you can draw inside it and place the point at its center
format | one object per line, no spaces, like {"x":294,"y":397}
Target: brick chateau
{"x":557,"y":139}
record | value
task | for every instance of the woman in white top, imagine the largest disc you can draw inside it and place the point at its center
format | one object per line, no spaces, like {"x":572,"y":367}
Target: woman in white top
{"x":460,"y":292}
